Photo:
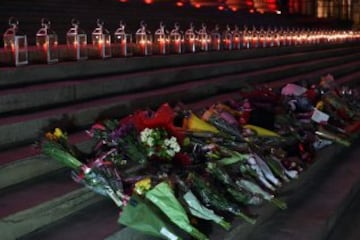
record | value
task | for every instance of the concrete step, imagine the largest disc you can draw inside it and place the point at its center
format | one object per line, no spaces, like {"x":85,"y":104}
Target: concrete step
{"x":22,"y":160}
{"x":81,"y":115}
{"x":92,"y":223}
{"x":31,"y":74}
{"x":315,"y":207}
{"x":315,"y":203}
{"x":70,"y":91}
{"x":22,"y":129}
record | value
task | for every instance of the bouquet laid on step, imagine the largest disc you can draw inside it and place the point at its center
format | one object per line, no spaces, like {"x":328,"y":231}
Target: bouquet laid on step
{"x":174,"y":167}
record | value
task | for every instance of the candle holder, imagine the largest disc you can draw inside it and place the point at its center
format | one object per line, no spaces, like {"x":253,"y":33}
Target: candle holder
{"x":190,"y":39}
{"x":76,"y":41}
{"x":176,"y":40}
{"x":247,"y":36}
{"x":143,"y":40}
{"x":123,"y":41}
{"x":161,"y":40}
{"x":236,"y":38}
{"x":270,"y":37}
{"x":254,"y":42}
{"x":47,"y":43}
{"x":261,"y":38}
{"x":15,"y":44}
{"x":215,"y":39}
{"x":101,"y":40}
{"x":227,"y":38}
{"x":203,"y":38}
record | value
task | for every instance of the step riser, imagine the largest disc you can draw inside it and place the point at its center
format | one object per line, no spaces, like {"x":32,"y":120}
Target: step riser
{"x":26,"y":131}
{"x":82,"y":69}
{"x":82,"y":90}
{"x":25,"y":169}
{"x":21,"y":223}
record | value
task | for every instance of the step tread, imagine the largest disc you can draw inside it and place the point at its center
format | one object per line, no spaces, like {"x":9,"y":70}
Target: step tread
{"x":29,"y":195}
{"x":162,"y":70}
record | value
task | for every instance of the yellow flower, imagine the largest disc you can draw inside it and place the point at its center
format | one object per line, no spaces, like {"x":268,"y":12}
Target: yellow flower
{"x":320,"y":105}
{"x":142,"y":186}
{"x":58,"y":133}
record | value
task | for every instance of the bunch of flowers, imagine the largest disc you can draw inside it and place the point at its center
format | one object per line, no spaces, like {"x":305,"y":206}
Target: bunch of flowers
{"x":218,"y":161}
{"x":157,"y":143}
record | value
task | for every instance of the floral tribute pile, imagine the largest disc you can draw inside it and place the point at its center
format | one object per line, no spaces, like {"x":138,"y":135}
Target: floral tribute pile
{"x":165,"y":168}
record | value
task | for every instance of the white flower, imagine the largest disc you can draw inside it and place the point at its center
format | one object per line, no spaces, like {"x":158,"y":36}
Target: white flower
{"x":150,"y":141}
{"x":170,"y":152}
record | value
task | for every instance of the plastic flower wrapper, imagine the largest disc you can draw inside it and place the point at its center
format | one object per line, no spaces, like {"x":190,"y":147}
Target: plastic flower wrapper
{"x":56,"y":151}
{"x":195,"y":124}
{"x":197,"y":209}
{"x":157,"y":143}
{"x":121,"y":136}
{"x":223,"y":121}
{"x":229,"y":184}
{"x":163,"y":197}
{"x":256,"y":190}
{"x":211,"y":197}
{"x":141,"y":215}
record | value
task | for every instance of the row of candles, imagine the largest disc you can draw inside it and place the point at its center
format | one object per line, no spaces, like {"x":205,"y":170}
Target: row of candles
{"x":161,"y":42}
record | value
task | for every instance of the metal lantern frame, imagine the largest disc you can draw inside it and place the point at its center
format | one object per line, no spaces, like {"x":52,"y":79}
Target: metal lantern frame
{"x":176,"y":40}
{"x":123,"y":40}
{"x":143,"y":40}
{"x":101,"y":40}
{"x":237,"y":38}
{"x":203,"y":38}
{"x":76,"y":41}
{"x":227,"y":39}
{"x":47,"y":42}
{"x":215,"y":39}
{"x":15,"y":44}
{"x":161,"y":40}
{"x":190,"y":39}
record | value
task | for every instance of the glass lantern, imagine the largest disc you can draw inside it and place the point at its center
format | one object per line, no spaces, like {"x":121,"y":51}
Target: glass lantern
{"x":215,"y":39}
{"x":101,"y":40}
{"x":247,"y":36}
{"x":76,"y":41}
{"x":236,"y":38}
{"x":143,"y":40}
{"x":203,"y":38}
{"x":262,"y":38}
{"x":176,"y":39}
{"x":254,"y":38}
{"x":160,"y":40}
{"x":47,"y":42}
{"x":190,"y":39}
{"x":15,"y":44}
{"x":227,"y":38}
{"x":123,"y":40}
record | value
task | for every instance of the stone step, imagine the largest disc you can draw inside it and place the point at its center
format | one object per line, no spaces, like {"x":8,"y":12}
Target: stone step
{"x":92,"y":223}
{"x":28,"y":220}
{"x":54,"y":197}
{"x":71,"y":91}
{"x":315,"y":207}
{"x":31,"y":74}
{"x":25,"y":163}
{"x":22,"y":129}
{"x":315,"y":203}
{"x":113,"y":106}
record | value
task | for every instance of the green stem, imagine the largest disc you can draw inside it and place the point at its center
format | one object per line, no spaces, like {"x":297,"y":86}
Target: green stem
{"x":280,"y":204}
{"x":226,"y":225}
{"x":198,"y":235}
{"x":246,"y":218}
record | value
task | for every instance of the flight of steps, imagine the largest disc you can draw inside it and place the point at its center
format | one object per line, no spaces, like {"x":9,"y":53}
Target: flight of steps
{"x":37,"y":195}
